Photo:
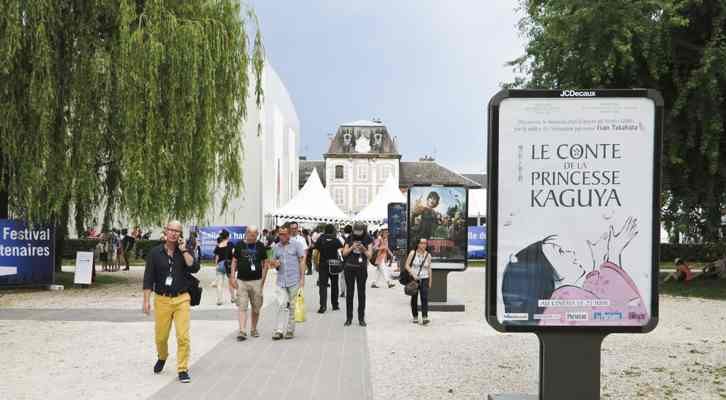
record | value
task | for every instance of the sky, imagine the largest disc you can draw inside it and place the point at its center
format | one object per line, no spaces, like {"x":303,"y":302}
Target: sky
{"x":427,"y":68}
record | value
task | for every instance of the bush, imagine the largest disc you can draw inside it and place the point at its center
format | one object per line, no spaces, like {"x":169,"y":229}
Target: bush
{"x":141,"y":247}
{"x":692,"y":252}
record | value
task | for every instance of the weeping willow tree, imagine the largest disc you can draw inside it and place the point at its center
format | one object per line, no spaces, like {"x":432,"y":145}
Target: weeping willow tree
{"x":130,"y":105}
{"x":675,"y":46}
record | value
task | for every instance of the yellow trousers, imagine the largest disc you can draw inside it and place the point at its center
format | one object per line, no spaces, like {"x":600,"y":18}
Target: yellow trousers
{"x":167,"y":309}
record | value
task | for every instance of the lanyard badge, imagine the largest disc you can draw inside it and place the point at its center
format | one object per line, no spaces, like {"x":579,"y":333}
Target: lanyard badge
{"x":169,"y":279}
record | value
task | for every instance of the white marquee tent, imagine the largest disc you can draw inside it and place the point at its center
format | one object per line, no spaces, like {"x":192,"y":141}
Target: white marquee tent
{"x":311,"y":204}
{"x":377,"y":210}
{"x":478,"y":203}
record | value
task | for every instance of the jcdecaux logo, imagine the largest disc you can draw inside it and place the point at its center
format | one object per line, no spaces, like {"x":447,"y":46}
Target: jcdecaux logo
{"x":575,"y":93}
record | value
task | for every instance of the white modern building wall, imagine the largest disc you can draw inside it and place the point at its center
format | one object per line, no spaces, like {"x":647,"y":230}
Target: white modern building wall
{"x":270,"y":166}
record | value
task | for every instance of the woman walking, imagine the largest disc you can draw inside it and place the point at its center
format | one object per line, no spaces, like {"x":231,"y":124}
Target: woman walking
{"x":381,"y":260}
{"x":223,"y":260}
{"x":418,"y":265}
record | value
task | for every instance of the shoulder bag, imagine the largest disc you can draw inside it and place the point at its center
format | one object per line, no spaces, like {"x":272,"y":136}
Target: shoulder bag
{"x":195,"y":291}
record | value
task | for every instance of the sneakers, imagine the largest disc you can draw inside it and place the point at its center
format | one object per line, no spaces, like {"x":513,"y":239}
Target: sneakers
{"x":277,"y":335}
{"x":159,"y":366}
{"x":254,"y":333}
{"x":336,"y":308}
{"x":362,"y":323}
{"x":391,"y":284}
{"x":184,"y":377}
{"x":289,"y":335}
{"x":321,"y":310}
{"x":219,"y":303}
{"x":347,"y":322}
{"x":374,"y":286}
{"x":241,"y":336}
{"x":426,"y":321}
{"x":415,"y":320}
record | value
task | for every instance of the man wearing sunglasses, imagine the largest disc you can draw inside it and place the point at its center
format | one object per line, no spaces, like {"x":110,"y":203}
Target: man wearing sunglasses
{"x":168,"y":273}
{"x":289,"y":260}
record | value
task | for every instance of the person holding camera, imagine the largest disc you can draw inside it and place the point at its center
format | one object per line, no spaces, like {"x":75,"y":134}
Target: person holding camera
{"x":356,"y":253}
{"x":168,"y":273}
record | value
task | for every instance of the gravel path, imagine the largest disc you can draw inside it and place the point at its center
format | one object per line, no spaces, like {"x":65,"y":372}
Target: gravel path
{"x":459,"y":356}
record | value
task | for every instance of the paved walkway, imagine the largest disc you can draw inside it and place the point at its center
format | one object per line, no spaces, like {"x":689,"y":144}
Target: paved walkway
{"x":102,"y":315}
{"x":324,"y":361}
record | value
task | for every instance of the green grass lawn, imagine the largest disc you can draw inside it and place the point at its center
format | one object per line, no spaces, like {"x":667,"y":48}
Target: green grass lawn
{"x":703,"y":288}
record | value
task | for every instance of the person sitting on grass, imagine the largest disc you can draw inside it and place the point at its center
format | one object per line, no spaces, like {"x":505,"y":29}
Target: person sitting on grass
{"x":716,"y":269}
{"x":682,"y":272}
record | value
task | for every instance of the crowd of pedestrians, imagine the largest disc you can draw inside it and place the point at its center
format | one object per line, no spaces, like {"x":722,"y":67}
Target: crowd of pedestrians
{"x":341,"y":258}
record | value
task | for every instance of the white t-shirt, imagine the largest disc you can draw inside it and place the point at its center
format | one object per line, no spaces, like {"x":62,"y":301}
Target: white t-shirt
{"x":419,"y":265}
{"x":300,"y":239}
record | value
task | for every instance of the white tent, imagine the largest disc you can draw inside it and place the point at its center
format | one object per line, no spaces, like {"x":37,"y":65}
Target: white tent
{"x":312,"y":203}
{"x":477,"y":203}
{"x":377,"y":210}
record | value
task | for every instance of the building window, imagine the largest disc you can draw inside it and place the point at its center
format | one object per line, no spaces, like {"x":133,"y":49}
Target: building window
{"x":339,"y":172}
{"x":362,"y":197}
{"x":339,"y":196}
{"x":362,"y":172}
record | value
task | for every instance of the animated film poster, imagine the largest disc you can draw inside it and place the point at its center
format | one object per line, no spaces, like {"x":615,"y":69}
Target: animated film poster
{"x":575,"y":211}
{"x":397,"y":228}
{"x":439,"y":215}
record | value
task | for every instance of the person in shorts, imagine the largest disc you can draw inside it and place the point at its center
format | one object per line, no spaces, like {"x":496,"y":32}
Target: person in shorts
{"x":250,"y":269}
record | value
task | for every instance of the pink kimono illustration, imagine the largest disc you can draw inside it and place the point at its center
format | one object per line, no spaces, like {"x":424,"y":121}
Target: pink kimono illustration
{"x":546,"y":281}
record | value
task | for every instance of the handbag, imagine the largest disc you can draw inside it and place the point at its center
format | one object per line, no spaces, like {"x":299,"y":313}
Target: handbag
{"x":195,"y":291}
{"x":335,"y":266}
{"x":300,"y":306}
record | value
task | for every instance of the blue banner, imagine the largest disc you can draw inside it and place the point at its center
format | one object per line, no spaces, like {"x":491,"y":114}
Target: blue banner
{"x":397,"y":230}
{"x":477,"y":245}
{"x":207,"y":237}
{"x":27,"y":254}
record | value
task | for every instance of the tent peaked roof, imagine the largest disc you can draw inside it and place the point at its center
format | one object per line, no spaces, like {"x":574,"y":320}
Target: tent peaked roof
{"x":377,"y":210}
{"x":312,"y":202}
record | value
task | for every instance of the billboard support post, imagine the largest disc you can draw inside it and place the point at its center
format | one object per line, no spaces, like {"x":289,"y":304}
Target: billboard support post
{"x":569,"y":367}
{"x":438,"y":296}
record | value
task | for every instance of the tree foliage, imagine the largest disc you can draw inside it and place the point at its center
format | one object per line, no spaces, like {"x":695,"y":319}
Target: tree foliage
{"x":675,"y":46}
{"x":135,"y":105}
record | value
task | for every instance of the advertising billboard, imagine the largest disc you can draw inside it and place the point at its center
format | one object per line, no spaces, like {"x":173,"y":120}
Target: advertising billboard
{"x":574,"y":197}
{"x":27,"y":254}
{"x":207,"y":237}
{"x":397,"y":228}
{"x":438,"y":214}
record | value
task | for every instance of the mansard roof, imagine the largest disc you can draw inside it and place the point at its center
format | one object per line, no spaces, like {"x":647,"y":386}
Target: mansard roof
{"x":363,"y":138}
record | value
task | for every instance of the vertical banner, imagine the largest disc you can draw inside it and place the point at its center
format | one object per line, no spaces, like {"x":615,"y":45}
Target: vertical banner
{"x":397,"y":229}
{"x":477,"y":245}
{"x":207,"y":237}
{"x":438,"y":214}
{"x":27,"y":254}
{"x":574,"y":193}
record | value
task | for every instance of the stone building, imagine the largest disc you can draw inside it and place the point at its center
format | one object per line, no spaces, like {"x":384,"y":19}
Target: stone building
{"x":361,"y":156}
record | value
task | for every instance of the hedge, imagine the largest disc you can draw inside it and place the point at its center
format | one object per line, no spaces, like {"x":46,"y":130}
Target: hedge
{"x":693,"y":252}
{"x":71,"y":246}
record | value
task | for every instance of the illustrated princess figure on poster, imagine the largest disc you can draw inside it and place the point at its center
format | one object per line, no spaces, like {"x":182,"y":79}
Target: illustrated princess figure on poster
{"x":547,"y":281}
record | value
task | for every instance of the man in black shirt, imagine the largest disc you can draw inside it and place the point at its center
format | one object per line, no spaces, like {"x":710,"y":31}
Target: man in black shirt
{"x":250,"y":269}
{"x":328,"y":246}
{"x":356,"y":253}
{"x":168,"y":273}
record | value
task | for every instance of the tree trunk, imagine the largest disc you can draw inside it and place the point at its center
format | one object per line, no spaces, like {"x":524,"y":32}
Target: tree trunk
{"x":61,"y":232}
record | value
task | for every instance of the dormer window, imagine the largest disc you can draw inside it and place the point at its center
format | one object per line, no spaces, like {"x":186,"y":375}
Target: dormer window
{"x":347,"y":137}
{"x":338,"y":172}
{"x":378,"y":138}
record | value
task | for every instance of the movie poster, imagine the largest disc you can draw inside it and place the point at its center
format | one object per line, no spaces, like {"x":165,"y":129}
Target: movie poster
{"x":438,"y":214}
{"x":575,"y":211}
{"x":397,"y":228}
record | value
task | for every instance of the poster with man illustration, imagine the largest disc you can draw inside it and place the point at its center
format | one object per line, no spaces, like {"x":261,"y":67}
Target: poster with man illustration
{"x":438,"y":214}
{"x":575,"y":214}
